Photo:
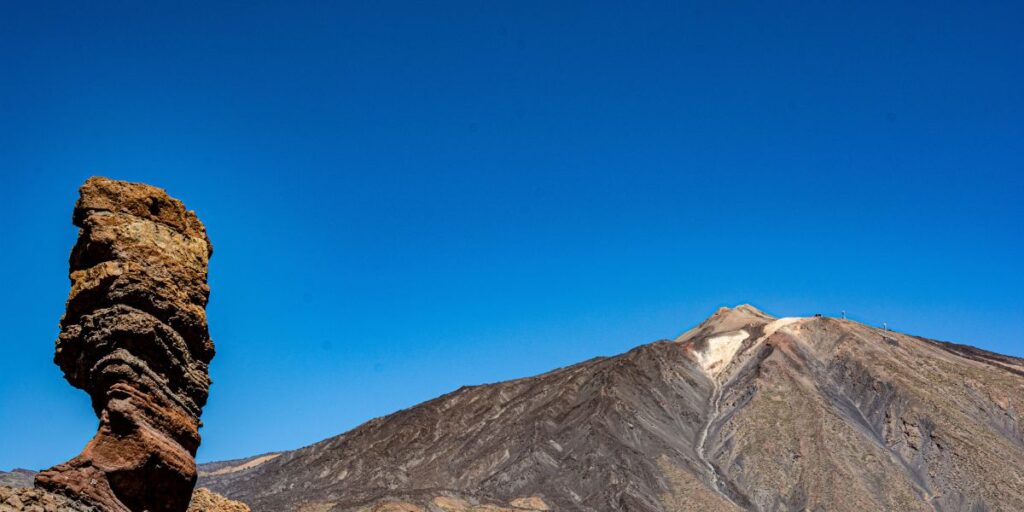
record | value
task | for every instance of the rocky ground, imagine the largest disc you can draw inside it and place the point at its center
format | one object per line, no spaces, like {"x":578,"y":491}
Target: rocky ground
{"x":20,"y":499}
{"x":27,"y":499}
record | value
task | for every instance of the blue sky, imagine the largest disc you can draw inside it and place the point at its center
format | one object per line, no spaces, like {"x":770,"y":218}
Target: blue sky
{"x":405,"y":198}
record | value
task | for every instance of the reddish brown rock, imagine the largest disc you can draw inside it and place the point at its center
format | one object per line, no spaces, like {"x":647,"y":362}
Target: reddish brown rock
{"x":135,"y":337}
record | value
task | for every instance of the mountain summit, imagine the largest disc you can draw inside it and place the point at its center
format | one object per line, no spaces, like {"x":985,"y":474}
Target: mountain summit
{"x":743,"y":412}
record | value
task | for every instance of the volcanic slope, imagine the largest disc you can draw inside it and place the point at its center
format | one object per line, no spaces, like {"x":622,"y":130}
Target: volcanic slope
{"x":743,"y":412}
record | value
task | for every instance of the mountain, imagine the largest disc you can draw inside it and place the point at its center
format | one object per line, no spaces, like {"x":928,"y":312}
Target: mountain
{"x":17,"y":478}
{"x":743,"y":412}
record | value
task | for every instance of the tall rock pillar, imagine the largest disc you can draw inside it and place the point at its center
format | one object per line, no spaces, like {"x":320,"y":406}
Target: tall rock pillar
{"x":135,"y":338}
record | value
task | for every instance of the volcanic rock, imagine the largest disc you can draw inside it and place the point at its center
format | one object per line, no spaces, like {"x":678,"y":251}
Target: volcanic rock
{"x":205,"y":500}
{"x":743,"y":412}
{"x":135,"y":338}
{"x":38,"y":500}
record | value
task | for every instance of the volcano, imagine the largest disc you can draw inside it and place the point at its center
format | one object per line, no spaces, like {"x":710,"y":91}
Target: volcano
{"x":743,"y":412}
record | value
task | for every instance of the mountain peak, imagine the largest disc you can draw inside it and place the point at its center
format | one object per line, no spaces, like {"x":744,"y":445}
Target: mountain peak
{"x":745,"y":310}
{"x":728,"y":319}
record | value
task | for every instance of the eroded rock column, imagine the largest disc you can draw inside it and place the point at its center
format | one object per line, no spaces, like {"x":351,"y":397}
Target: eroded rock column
{"x":135,"y":337}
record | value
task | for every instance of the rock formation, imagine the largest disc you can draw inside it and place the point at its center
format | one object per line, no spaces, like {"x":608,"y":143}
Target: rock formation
{"x":204,"y":500}
{"x":743,"y":412}
{"x":135,"y":338}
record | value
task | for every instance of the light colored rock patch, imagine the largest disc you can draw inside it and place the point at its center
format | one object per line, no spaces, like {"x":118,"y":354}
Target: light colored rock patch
{"x":720,"y":350}
{"x":397,"y":506}
{"x":449,"y":504}
{"x":530,"y":503}
{"x":776,"y":325}
{"x":241,"y":467}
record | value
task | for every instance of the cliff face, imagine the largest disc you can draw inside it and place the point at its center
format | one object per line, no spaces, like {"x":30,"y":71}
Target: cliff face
{"x":135,"y":338}
{"x":743,"y":412}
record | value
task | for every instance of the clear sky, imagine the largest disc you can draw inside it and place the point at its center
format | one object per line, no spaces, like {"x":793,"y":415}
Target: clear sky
{"x":405,"y":198}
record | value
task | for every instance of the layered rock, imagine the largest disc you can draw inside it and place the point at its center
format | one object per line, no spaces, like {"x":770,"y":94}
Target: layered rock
{"x":135,"y":337}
